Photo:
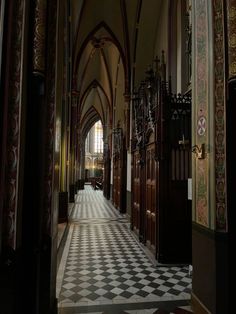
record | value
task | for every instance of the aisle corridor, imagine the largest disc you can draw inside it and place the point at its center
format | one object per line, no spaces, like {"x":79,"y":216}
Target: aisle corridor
{"x":105,"y":270}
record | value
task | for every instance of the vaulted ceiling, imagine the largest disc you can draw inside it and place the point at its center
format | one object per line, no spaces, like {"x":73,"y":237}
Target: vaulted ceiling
{"x":113,"y":43}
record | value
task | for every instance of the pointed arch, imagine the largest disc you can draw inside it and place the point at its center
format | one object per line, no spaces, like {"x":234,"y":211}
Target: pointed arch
{"x":90,"y":117}
{"x":93,"y":84}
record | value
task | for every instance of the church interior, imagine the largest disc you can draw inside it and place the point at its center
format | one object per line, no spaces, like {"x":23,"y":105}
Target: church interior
{"x":116,"y":156}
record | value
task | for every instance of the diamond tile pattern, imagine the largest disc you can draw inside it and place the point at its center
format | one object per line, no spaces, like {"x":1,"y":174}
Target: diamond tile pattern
{"x":90,"y":204}
{"x":105,"y":262}
{"x":105,"y":270}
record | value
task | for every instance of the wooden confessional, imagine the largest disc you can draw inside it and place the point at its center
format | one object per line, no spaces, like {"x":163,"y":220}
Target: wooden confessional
{"x":144,"y":168}
{"x":175,"y":169}
{"x":161,"y":166}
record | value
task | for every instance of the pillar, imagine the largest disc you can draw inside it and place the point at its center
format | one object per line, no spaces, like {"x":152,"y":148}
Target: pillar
{"x":209,"y":228}
{"x":13,"y":64}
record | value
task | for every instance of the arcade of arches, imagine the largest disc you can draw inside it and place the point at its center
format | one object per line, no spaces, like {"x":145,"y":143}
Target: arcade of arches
{"x":155,"y":80}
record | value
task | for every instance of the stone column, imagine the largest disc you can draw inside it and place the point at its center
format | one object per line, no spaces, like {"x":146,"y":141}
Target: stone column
{"x":73,"y":122}
{"x":13,"y":101}
{"x":49,"y":244}
{"x":75,"y":99}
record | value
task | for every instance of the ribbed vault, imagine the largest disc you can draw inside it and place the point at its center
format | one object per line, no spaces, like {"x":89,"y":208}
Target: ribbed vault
{"x":109,"y":40}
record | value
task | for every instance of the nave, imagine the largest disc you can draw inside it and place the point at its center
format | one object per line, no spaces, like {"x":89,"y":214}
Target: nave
{"x":104,"y":269}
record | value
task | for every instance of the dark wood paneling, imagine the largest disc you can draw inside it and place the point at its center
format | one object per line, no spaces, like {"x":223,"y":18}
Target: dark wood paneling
{"x":210,"y":269}
{"x":107,"y":172}
{"x":136,"y":197}
{"x":150,"y":199}
{"x":128,"y":203}
{"x":161,"y":151}
{"x":119,"y":171}
{"x":175,"y":169}
{"x":117,"y":183}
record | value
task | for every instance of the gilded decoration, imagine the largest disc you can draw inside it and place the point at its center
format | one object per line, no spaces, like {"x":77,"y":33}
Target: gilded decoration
{"x":13,"y":137}
{"x":220,"y":158}
{"x":39,"y":36}
{"x":201,"y":62}
{"x":232,"y":37}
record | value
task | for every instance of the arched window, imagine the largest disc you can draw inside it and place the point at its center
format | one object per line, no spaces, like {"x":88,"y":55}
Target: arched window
{"x":98,"y":137}
{"x":94,"y":139}
{"x":94,"y":150}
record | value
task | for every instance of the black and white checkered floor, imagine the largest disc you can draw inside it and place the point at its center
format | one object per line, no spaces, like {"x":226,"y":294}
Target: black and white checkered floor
{"x":105,"y":270}
{"x":91,"y":204}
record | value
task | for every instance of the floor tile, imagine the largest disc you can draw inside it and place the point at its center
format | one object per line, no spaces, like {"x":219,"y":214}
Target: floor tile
{"x":103,"y":262}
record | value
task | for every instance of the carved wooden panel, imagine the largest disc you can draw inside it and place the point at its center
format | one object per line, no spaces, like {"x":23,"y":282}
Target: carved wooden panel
{"x":119,"y":171}
{"x":107,"y":171}
{"x":116,"y":183}
{"x":136,"y":192}
{"x":161,"y":212}
{"x":150,"y":198}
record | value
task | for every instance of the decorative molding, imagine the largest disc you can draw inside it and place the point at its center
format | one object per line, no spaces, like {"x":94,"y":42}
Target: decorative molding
{"x":201,"y":101}
{"x":39,"y":36}
{"x":118,"y":142}
{"x":14,"y":122}
{"x":231,"y":8}
{"x":220,"y":132}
